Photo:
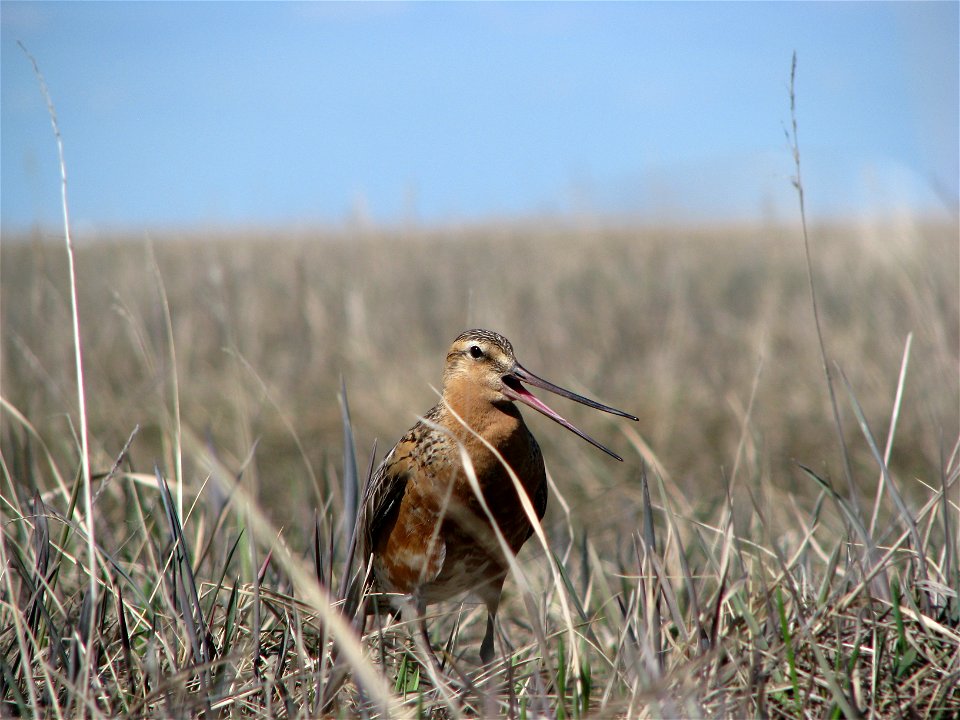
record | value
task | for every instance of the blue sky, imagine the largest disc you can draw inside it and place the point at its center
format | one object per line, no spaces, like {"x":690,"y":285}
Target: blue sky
{"x":198,"y":114}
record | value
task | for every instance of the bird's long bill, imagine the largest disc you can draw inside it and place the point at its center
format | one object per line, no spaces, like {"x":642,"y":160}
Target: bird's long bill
{"x":515,"y":391}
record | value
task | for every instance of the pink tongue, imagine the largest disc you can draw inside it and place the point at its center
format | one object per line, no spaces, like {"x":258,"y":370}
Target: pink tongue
{"x":534,"y":401}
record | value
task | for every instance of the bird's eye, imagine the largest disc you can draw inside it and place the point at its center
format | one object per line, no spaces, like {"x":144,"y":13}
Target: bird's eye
{"x":475,"y":352}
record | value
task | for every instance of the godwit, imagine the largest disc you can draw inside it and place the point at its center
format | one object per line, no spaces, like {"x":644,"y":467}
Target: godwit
{"x":419,"y":520}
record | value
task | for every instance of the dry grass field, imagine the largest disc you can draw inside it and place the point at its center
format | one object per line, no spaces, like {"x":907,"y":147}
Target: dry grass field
{"x":749,"y":557}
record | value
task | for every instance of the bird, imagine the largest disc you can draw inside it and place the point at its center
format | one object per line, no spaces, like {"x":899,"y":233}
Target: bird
{"x":421,"y":529}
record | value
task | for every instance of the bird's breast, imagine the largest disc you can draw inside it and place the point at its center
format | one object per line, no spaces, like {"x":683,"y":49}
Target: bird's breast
{"x":439,"y":538}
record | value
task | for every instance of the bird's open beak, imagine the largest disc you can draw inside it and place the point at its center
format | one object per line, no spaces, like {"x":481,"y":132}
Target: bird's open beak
{"x":514,"y":390}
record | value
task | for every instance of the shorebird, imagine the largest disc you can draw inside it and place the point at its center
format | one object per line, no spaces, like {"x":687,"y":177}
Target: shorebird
{"x":420,"y":522}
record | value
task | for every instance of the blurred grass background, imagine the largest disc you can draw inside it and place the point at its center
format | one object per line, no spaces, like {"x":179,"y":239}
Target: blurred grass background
{"x":706,"y":333}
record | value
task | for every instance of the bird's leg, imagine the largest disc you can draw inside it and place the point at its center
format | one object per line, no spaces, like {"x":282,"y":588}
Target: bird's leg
{"x":419,"y":608}
{"x":490,"y":594}
{"x":486,"y":647}
{"x":422,"y":640}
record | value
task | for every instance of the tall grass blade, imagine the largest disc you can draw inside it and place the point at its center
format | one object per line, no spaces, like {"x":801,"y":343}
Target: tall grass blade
{"x":229,"y":625}
{"x":891,"y":487}
{"x":791,"y":652}
{"x":350,"y":475}
{"x":125,"y":644}
{"x":891,"y":431}
{"x":650,"y":551}
{"x":186,"y":583}
{"x":186,"y":592}
{"x":174,"y":380}
{"x":882,"y":585}
{"x":317,"y":554}
{"x":351,"y":584}
{"x":825,"y":363}
{"x":703,"y":638}
{"x":88,"y":521}
{"x":951,"y":572}
{"x":41,"y":555}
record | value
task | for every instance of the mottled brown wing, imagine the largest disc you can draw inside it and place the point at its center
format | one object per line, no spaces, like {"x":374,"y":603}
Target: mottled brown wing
{"x":382,"y":495}
{"x":382,"y":492}
{"x":386,"y":492}
{"x":385,"y":488}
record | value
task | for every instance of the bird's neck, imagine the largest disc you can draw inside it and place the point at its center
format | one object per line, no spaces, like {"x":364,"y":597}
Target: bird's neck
{"x":495,"y":422}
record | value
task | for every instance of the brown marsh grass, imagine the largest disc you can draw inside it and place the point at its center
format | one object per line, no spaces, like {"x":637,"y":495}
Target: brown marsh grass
{"x":743,"y":579}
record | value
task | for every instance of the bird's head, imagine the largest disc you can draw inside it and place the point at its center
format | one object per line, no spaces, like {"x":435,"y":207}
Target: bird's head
{"x":482,"y":362}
